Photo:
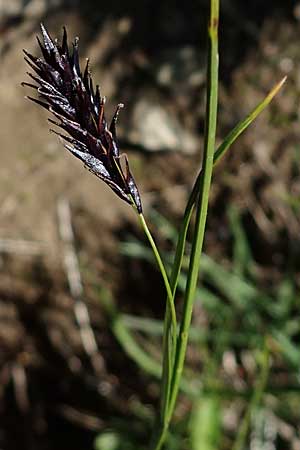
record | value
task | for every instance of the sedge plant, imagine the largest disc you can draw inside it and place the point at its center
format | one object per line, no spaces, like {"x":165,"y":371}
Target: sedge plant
{"x":78,"y":108}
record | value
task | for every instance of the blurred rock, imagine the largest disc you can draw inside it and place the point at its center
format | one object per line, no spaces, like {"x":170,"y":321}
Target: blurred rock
{"x":37,"y":8}
{"x":156,"y":128}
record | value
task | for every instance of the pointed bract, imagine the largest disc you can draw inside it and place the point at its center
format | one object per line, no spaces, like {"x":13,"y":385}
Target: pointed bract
{"x":71,"y":98}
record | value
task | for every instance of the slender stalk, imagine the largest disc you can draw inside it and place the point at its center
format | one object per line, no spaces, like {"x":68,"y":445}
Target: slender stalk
{"x":170,"y":326}
{"x":169,"y":354}
{"x":202,"y":202}
{"x":167,"y":365}
{"x":162,"y":271}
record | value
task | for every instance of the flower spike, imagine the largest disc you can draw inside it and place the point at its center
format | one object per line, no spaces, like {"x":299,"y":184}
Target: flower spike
{"x":70,"y":96}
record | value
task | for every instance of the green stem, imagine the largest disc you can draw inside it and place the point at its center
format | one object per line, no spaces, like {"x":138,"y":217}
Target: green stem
{"x":170,"y":326}
{"x":163,"y":272}
{"x":202,"y":203}
{"x":176,"y":267}
{"x":219,"y":153}
{"x":169,"y":354}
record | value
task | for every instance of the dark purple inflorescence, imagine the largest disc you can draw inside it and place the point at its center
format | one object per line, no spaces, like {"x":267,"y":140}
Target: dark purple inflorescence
{"x":79,"y":108}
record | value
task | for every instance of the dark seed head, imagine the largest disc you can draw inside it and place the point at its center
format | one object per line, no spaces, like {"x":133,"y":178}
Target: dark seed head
{"x":79,"y":109}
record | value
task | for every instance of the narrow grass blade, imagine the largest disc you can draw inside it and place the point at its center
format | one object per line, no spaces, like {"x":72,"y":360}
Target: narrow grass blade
{"x":241,"y":126}
{"x":288,"y":348}
{"x":125,"y":338}
{"x":120,"y":326}
{"x":154,"y":328}
{"x":205,"y":423}
{"x":182,"y":235}
{"x":243,"y":262}
{"x":219,"y":153}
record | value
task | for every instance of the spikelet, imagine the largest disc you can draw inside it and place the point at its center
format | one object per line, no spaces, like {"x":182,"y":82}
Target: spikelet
{"x":79,"y":111}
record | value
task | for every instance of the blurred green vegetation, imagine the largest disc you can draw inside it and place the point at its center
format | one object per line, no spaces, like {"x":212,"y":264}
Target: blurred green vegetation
{"x":242,"y":374}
